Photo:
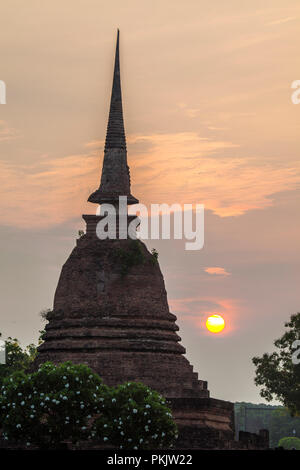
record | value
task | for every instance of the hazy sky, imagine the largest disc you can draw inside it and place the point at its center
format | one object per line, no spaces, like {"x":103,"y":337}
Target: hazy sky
{"x":209,"y":119}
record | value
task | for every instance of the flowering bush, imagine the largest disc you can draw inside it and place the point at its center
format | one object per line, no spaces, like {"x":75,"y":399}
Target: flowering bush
{"x":70,"y":403}
{"x":135,"y":417}
{"x":50,"y":406}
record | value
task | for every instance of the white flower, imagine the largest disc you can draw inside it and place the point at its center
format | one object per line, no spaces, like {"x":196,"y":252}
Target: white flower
{"x":113,"y":400}
{"x":22,"y":403}
{"x":135,"y":447}
{"x":18,"y":426}
{"x":163,"y":434}
{"x":134,"y":410}
{"x":148,"y":406}
{"x":105,"y":438}
{"x":129,"y":440}
{"x":31,"y":416}
{"x":141,"y":440}
{"x":67,"y":386}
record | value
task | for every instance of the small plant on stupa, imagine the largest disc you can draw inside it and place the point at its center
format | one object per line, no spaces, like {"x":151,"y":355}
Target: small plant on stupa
{"x":50,"y":406}
{"x":154,"y":254}
{"x":130,"y":257}
{"x":135,"y":417}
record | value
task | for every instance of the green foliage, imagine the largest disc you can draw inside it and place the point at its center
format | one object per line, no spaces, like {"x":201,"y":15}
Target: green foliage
{"x":50,"y":406}
{"x":17,"y":358}
{"x":70,"y":403}
{"x":277,"y":374}
{"x":282,"y":424}
{"x":136,"y":417}
{"x":44,"y":314}
{"x":130,"y":257}
{"x":252,"y":417}
{"x":154,"y":253}
{"x":289,"y":443}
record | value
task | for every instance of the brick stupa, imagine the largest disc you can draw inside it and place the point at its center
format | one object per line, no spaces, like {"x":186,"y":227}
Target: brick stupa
{"x":111,"y":310}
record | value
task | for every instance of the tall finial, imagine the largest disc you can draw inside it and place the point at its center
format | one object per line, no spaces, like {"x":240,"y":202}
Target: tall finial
{"x":115,"y":179}
{"x":115,"y":136}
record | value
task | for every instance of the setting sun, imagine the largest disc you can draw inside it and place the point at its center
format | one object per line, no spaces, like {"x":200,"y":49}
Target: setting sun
{"x":215,"y":323}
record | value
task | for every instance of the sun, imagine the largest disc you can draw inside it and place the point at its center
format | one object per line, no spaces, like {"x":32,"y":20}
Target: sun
{"x":215,"y":323}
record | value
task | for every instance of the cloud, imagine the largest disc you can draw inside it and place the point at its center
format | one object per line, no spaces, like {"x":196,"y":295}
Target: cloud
{"x":282,"y":20}
{"x":187,"y":168}
{"x":166,"y":168}
{"x":216,"y":271}
{"x":48,"y":192}
{"x":7,"y":133}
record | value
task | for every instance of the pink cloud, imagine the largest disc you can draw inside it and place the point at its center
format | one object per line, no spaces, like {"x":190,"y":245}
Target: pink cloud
{"x":217,"y":271}
{"x":166,"y":168}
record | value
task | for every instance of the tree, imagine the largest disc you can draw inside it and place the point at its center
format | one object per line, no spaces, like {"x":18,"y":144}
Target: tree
{"x":136,"y":417}
{"x":277,"y":373}
{"x":289,"y":443}
{"x":50,"y":406}
{"x":17,"y":358}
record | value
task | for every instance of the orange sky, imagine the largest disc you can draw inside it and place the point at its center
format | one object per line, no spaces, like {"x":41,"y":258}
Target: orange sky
{"x":209,"y":119}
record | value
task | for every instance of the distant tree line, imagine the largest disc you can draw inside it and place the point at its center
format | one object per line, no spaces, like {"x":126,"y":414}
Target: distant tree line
{"x":252,"y":417}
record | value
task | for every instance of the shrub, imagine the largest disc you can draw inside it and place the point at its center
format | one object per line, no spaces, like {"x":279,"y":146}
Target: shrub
{"x":135,"y":417}
{"x":289,"y":443}
{"x":50,"y":406}
{"x":69,"y":403}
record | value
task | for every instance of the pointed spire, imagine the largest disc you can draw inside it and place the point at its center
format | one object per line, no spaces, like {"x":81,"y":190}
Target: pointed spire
{"x":115,"y":179}
{"x":115,"y":136}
